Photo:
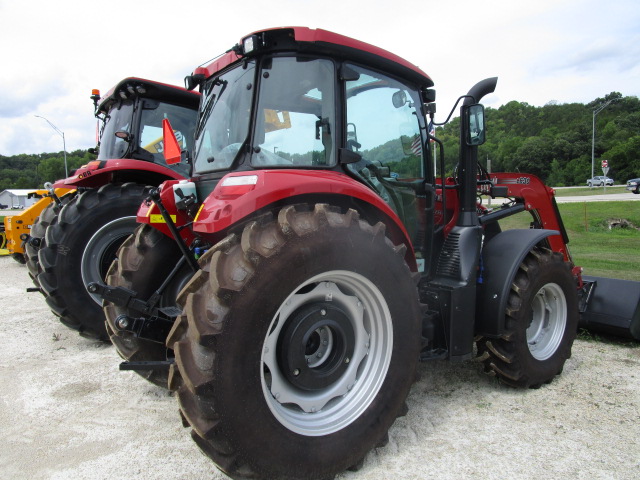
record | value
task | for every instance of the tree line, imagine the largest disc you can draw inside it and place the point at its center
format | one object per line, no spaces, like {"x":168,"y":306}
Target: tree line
{"x":553,"y":142}
{"x":32,"y":171}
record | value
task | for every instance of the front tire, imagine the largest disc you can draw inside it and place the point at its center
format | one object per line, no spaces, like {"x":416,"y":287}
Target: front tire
{"x":297,"y":346}
{"x":144,"y":261}
{"x":79,"y":250}
{"x":541,"y":323}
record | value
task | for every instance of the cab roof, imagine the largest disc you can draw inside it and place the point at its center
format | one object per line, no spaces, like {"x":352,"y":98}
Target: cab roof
{"x":307,"y":40}
{"x":134,"y":86}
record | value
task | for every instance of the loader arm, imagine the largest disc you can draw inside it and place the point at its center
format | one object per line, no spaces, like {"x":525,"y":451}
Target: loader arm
{"x":536,"y":198}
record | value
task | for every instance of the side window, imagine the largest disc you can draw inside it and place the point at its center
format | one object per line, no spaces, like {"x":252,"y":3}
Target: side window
{"x":295,"y":120}
{"x":183,"y":121}
{"x":384,"y":128}
{"x":118,"y":119}
{"x":382,"y":124}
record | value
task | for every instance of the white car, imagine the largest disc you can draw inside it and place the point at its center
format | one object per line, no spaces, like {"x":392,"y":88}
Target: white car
{"x":599,"y":181}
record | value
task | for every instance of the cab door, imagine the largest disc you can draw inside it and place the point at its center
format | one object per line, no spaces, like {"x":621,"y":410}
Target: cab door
{"x":385,"y":127}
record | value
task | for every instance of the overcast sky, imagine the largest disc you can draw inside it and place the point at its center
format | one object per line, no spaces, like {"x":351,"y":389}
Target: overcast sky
{"x":52,"y":53}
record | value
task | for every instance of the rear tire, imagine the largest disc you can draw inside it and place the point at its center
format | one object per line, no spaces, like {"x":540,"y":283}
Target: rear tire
{"x":297,"y":346}
{"x":541,"y":323}
{"x":79,"y":250}
{"x":48,"y":216}
{"x":144,"y":261}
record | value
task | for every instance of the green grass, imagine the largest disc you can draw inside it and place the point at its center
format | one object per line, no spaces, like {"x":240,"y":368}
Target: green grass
{"x":602,"y":252}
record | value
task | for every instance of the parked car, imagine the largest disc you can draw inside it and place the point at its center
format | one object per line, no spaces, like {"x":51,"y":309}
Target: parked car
{"x":599,"y":181}
{"x":633,"y":185}
{"x":3,"y":206}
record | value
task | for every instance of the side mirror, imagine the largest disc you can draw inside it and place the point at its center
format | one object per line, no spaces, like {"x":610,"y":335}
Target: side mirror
{"x":474,"y":123}
{"x":399,"y":99}
{"x":124,"y":135}
{"x":171,"y":151}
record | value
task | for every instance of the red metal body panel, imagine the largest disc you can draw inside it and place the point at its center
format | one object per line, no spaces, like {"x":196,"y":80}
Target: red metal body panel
{"x":223,"y":208}
{"x":98,"y":173}
{"x":150,"y":214}
{"x":317,"y":36}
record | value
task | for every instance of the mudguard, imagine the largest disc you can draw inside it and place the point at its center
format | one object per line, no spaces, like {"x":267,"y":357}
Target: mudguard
{"x":239,"y":195}
{"x":501,"y":257}
{"x":100,"y":172}
{"x":613,"y":307}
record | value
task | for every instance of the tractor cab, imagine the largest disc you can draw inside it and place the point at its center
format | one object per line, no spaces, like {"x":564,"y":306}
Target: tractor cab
{"x":279,"y":104}
{"x":131,"y":116}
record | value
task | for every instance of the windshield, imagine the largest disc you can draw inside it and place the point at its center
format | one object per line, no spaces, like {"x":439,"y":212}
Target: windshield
{"x":118,"y":119}
{"x":223,"y":125}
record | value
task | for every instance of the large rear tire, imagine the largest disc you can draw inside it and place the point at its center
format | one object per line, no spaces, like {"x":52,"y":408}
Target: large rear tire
{"x":79,"y":250}
{"x":297,"y":346}
{"x":541,"y":323}
{"x":48,"y":216}
{"x":144,"y":261}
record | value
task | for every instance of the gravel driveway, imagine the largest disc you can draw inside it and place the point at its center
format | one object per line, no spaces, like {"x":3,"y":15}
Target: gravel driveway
{"x":66,"y":412}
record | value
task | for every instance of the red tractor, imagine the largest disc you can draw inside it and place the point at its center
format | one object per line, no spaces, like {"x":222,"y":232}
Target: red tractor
{"x":332,"y":258}
{"x":74,"y":240}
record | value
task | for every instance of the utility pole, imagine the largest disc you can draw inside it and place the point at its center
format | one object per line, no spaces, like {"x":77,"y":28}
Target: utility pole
{"x":64,"y":145}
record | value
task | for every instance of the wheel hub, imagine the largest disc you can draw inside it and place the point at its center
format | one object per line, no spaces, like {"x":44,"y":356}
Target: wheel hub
{"x":316,"y":346}
{"x":548,"y":320}
{"x":295,"y":362}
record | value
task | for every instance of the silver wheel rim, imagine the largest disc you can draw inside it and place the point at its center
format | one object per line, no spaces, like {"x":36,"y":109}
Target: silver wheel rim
{"x":548,"y":321}
{"x":100,"y":244}
{"x":330,"y":409}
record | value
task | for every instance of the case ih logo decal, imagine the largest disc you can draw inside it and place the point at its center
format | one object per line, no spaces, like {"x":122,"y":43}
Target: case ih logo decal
{"x":511,"y":181}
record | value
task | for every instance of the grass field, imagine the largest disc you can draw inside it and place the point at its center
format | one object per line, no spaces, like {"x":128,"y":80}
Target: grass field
{"x":601,"y":251}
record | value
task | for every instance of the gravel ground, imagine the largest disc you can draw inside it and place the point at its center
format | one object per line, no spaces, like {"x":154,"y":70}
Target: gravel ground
{"x":66,"y":412}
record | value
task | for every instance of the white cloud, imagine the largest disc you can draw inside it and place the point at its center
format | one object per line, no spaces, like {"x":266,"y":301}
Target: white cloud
{"x":54,"y":53}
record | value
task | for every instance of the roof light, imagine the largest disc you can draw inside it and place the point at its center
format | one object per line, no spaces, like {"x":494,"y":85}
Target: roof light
{"x":249,"y":44}
{"x":123,"y":94}
{"x":141,"y":90}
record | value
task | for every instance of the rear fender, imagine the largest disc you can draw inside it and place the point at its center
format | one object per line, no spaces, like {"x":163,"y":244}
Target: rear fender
{"x":239,"y":195}
{"x":100,"y":172}
{"x":501,"y":257}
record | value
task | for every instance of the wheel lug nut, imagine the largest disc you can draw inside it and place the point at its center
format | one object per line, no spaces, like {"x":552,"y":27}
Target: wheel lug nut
{"x":323,"y":312}
{"x":296,"y":372}
{"x":347,"y":360}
